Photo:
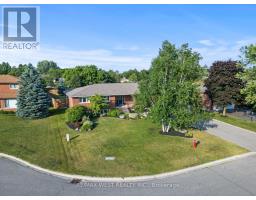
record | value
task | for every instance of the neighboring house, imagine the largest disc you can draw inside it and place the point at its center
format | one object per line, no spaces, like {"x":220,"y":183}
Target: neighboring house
{"x":8,"y":92}
{"x":116,"y":94}
{"x":58,"y":99}
{"x":124,"y":80}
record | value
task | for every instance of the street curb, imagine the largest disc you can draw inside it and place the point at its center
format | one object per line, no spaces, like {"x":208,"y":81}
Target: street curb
{"x":235,"y":126}
{"x":123,"y":179}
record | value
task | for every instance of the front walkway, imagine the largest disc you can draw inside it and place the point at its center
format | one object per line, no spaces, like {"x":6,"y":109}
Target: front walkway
{"x":242,"y":137}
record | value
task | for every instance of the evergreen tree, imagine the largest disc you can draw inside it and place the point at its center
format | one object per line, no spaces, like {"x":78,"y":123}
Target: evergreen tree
{"x":32,"y":99}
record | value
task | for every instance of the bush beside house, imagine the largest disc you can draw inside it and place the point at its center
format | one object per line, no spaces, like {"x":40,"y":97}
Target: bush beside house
{"x":79,"y":117}
{"x":115,"y":112}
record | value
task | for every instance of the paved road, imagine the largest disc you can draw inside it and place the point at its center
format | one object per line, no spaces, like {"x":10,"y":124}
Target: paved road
{"x":231,"y":178}
{"x":242,"y":137}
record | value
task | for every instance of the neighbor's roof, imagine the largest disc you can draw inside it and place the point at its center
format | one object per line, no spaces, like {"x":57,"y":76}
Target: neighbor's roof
{"x":8,"y":79}
{"x":104,"y":89}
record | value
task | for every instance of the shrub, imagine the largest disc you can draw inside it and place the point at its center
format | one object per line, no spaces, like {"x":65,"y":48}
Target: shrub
{"x":87,"y":125}
{"x":97,"y":104}
{"x":85,"y":118}
{"x":76,"y":113}
{"x":114,"y":112}
{"x":189,"y":134}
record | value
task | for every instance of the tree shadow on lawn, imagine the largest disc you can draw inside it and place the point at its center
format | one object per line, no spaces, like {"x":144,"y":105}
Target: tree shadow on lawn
{"x":175,"y":133}
{"x":76,"y":136}
{"x":58,"y":111}
{"x":203,"y":126}
{"x":171,"y":133}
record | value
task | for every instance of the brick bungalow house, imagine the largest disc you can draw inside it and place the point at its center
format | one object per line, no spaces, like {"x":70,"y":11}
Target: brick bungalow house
{"x":8,"y":92}
{"x":116,"y":94}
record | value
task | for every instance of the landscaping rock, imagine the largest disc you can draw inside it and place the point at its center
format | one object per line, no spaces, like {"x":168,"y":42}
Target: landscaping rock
{"x":121,"y":116}
{"x":133,"y":115}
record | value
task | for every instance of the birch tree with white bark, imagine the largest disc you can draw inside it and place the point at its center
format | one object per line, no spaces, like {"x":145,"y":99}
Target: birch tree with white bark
{"x":171,"y":92}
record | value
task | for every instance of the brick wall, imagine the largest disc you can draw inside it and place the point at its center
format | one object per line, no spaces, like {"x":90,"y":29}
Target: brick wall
{"x":6,"y":93}
{"x":128,"y":100}
{"x":73,"y":101}
{"x":2,"y":103}
{"x":112,"y":101}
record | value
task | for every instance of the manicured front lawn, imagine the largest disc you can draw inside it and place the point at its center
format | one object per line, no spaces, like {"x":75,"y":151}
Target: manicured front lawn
{"x":237,"y":122}
{"x":137,"y":145}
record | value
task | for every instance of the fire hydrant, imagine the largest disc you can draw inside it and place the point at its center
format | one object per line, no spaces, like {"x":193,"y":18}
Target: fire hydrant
{"x":194,"y":143}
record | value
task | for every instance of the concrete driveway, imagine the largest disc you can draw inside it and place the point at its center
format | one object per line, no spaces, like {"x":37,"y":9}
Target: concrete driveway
{"x":236,"y":177}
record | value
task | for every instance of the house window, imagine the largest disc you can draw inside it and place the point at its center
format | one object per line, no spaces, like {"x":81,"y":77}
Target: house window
{"x":106,"y":98}
{"x":14,"y":86}
{"x":84,"y":100}
{"x":11,"y":103}
{"x":119,"y":101}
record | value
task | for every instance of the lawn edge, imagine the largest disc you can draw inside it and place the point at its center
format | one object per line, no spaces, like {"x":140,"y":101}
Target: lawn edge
{"x":124,"y":179}
{"x":234,"y":126}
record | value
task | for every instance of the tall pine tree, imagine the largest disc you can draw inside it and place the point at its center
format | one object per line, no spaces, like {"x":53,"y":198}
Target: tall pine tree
{"x":32,"y":99}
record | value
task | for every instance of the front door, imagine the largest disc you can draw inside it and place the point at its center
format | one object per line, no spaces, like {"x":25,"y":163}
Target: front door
{"x":119,"y":101}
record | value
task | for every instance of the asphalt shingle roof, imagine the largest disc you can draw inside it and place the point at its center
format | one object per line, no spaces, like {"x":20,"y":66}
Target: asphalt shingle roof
{"x":104,"y":89}
{"x":8,"y":79}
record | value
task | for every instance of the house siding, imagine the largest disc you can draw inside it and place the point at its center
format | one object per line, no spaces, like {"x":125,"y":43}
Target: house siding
{"x":128,"y":101}
{"x":2,"y":103}
{"x":6,"y":93}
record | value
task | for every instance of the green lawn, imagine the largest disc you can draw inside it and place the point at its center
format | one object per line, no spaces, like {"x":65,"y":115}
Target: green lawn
{"x":137,"y":145}
{"x":237,"y":121}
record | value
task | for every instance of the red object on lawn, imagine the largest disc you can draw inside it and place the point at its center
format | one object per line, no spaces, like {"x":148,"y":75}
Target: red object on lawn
{"x":194,"y":143}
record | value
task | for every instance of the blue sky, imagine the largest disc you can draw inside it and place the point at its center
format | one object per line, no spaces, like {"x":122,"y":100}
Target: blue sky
{"x":122,"y":37}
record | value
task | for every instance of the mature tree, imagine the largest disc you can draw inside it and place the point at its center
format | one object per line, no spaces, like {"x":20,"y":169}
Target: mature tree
{"x":5,"y":68}
{"x":248,"y":61}
{"x":85,"y":75}
{"x":32,"y":99}
{"x":133,"y":78}
{"x":222,"y":84}
{"x":52,"y":77}
{"x":134,"y":75}
{"x":17,"y":71}
{"x":44,"y":66}
{"x":49,"y":71}
{"x":114,"y":76}
{"x":72,"y":78}
{"x":170,"y":91}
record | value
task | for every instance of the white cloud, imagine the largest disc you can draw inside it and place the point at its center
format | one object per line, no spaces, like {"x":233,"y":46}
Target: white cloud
{"x":103,"y":58}
{"x":124,"y":48}
{"x":206,"y":42}
{"x":222,"y":50}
